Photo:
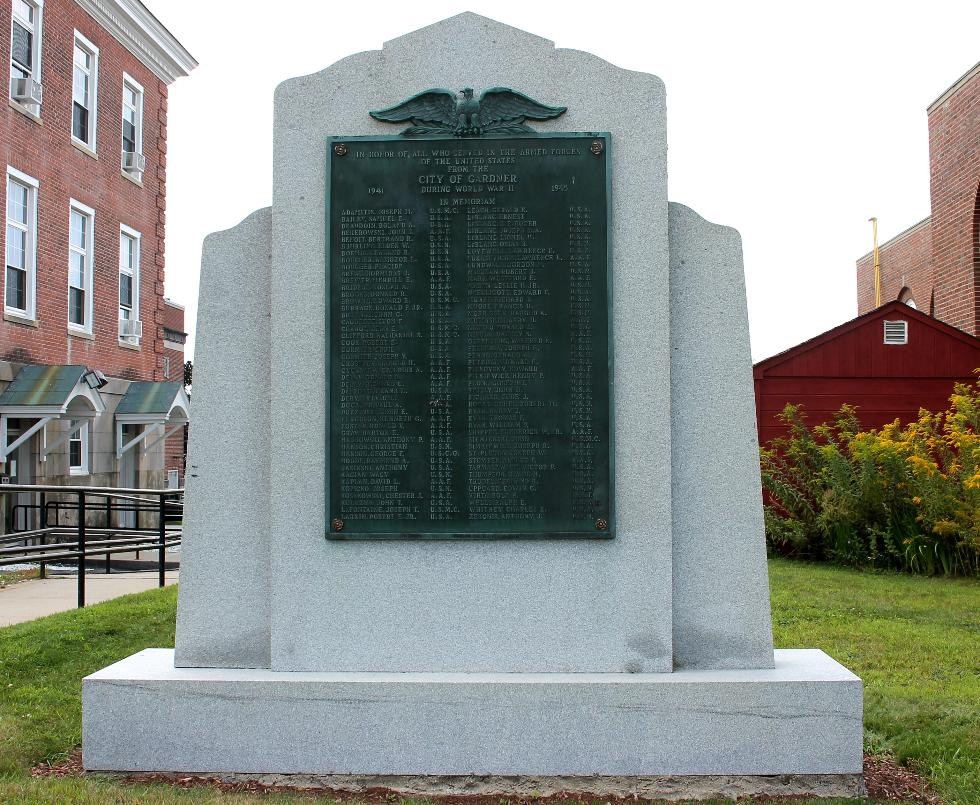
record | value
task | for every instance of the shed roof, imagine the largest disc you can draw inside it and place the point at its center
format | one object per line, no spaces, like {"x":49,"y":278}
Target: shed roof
{"x":968,"y":344}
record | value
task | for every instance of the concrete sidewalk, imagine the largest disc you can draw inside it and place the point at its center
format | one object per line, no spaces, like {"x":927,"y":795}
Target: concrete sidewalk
{"x":27,"y":600}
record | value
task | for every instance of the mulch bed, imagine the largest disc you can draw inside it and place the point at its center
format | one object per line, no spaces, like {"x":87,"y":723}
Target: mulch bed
{"x":884,"y":778}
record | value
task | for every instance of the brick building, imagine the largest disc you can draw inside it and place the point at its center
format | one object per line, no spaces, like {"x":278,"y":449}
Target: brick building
{"x":174,"y":338}
{"x":935,"y":264}
{"x":891,"y":361}
{"x":84,"y":140}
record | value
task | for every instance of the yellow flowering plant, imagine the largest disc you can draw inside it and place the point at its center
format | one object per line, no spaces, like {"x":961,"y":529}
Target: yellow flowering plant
{"x":904,"y":497}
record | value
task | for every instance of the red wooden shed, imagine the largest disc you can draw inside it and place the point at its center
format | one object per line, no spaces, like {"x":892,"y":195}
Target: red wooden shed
{"x":888,"y":363}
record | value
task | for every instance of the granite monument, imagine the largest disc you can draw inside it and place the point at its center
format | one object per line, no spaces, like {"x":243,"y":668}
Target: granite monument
{"x":487,"y":508}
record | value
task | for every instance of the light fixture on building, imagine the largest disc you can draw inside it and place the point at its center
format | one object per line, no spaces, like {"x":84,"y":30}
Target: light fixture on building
{"x":95,"y":379}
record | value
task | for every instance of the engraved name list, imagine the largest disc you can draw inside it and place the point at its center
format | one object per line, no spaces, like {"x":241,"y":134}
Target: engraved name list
{"x":468,"y":337}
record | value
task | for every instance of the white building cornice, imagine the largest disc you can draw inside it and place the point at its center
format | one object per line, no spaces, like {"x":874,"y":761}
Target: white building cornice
{"x":143,"y":35}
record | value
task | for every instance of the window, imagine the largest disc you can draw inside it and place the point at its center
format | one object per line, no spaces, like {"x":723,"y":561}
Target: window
{"x":78,"y":450}
{"x":129,"y":284}
{"x":166,"y":367}
{"x":21,"y":244}
{"x":25,"y":52}
{"x":132,"y":128}
{"x":84,"y":96}
{"x":81,"y":238}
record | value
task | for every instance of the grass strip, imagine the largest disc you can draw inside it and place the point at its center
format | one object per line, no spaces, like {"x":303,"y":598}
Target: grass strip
{"x":915,"y":641}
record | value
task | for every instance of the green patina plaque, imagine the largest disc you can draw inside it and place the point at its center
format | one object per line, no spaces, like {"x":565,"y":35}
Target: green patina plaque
{"x":468,"y":287}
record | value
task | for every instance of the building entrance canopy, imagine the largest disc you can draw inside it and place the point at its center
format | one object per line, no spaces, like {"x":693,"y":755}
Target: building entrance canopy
{"x":162,"y":408}
{"x":46,"y":393}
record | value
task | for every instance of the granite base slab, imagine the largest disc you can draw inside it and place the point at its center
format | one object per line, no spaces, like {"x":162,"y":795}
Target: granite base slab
{"x":803,"y":717}
{"x":647,"y":787}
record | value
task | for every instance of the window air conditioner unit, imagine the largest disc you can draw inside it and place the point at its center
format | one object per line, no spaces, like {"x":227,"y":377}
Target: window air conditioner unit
{"x":25,"y":90}
{"x":130,"y":328}
{"x":133,"y":162}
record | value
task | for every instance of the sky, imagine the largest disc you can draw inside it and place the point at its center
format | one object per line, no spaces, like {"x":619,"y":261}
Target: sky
{"x":793,"y":122}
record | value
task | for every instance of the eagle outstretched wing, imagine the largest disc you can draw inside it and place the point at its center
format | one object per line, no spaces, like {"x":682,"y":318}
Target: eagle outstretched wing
{"x":503,"y":109}
{"x":435,"y":107}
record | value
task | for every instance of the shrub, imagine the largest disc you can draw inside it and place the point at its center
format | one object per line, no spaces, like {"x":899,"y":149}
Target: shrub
{"x":901,"y":497}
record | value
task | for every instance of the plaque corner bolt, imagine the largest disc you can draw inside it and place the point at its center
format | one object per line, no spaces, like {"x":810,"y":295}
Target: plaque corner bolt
{"x":601,"y":525}
{"x":597,"y":147}
{"x":339,"y":149}
{"x":337,"y":524}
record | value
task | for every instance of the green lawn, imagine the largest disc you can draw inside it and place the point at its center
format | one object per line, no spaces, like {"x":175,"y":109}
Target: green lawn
{"x":42,"y":664}
{"x":914,"y":641}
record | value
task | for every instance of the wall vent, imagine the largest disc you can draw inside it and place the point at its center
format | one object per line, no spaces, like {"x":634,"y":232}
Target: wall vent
{"x":896,"y":332}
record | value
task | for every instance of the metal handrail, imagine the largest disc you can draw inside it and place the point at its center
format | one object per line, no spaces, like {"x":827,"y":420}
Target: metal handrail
{"x":111,"y":491}
{"x":67,"y":555}
{"x":90,"y":543}
{"x":108,"y":540}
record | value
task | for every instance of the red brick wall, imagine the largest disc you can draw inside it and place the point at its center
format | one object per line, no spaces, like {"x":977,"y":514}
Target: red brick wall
{"x":175,"y":359}
{"x":954,"y":168}
{"x":173,"y":317}
{"x":175,"y":455}
{"x":906,"y":262}
{"x":45,"y":152}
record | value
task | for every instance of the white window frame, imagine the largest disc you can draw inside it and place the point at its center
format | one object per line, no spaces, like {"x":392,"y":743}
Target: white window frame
{"x":38,"y":28}
{"x":88,"y":212}
{"x":93,"y":113}
{"x":129,"y":232}
{"x":82,"y":437}
{"x":137,"y":88}
{"x":30,"y":262}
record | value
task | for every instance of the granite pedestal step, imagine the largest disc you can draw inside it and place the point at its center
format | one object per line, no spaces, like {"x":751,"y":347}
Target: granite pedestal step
{"x":801,"y":719}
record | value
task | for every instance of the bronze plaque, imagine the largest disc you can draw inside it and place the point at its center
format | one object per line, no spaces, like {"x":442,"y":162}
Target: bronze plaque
{"x":468,"y":337}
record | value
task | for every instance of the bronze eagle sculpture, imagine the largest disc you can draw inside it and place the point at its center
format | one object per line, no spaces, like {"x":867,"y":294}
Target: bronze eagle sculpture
{"x":440,"y":111}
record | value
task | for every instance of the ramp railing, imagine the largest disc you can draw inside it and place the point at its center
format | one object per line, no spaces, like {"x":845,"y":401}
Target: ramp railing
{"x":74,"y":524}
